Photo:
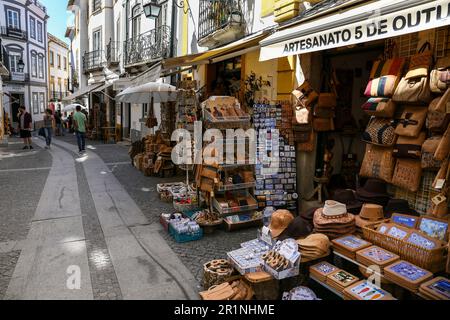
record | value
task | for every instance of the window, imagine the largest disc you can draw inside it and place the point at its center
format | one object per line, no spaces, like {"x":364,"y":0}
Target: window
{"x":41,"y":67}
{"x":14,"y":61}
{"x":65,"y":64}
{"x":97,"y":40}
{"x":59,"y":61}
{"x":42,"y":102}
{"x":118,"y":30}
{"x":59,"y":85}
{"x":96,"y":5}
{"x":52,"y":84}
{"x":52,"y":59}
{"x":136,"y":21}
{"x":32,"y":27}
{"x":35,"y":103}
{"x":34,"y":66}
{"x":13,"y":19}
{"x":39,"y":31}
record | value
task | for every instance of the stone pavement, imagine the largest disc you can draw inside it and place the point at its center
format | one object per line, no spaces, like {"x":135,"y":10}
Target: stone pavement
{"x":96,"y":213}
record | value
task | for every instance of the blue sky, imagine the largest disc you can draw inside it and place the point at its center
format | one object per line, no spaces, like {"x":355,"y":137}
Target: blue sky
{"x":57,"y":10}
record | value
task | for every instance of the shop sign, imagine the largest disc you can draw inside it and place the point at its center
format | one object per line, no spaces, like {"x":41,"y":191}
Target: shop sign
{"x":379,"y":26}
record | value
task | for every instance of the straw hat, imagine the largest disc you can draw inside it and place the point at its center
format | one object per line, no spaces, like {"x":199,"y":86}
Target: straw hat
{"x":370,"y":213}
{"x":280,"y":221}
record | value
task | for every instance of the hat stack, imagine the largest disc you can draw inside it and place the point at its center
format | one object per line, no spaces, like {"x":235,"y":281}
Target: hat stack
{"x":349,"y":245}
{"x":366,"y":291}
{"x":370,"y":213}
{"x":407,"y":275}
{"x":374,"y":191}
{"x":281,"y":219}
{"x":333,"y":220}
{"x":341,"y":279}
{"x":314,"y":247}
{"x":436,"y":289}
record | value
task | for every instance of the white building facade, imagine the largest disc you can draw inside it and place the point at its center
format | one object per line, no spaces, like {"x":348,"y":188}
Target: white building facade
{"x":24,"y":37}
{"x":58,"y":72}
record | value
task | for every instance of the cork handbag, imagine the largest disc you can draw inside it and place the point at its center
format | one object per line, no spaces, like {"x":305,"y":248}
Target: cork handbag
{"x":441,"y":70}
{"x":421,"y":63}
{"x":409,"y":147}
{"x":306,"y":94}
{"x":378,"y":163}
{"x":443,"y":148}
{"x":413,"y":91}
{"x":384,"y":77}
{"x":379,"y":107}
{"x":380,"y":131}
{"x":407,"y":174}
{"x":437,"y":118}
{"x":412,"y":121}
{"x":429,"y":148}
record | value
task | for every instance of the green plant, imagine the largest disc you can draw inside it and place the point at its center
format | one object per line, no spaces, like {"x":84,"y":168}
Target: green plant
{"x":253,"y":84}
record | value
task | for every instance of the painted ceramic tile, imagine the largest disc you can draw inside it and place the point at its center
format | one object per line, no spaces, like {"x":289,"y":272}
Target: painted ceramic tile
{"x":367,"y":291}
{"x":383,"y":229}
{"x":420,"y":241}
{"x":433,"y":228}
{"x":325,"y":268}
{"x":441,"y":286}
{"x":409,"y":271}
{"x":397,"y":233}
{"x":378,"y":254}
{"x":351,"y":242}
{"x":343,"y":277}
{"x":409,"y":222}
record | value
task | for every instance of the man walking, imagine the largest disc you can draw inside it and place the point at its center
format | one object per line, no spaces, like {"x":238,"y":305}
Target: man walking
{"x":79,"y":124}
{"x":25,"y":122}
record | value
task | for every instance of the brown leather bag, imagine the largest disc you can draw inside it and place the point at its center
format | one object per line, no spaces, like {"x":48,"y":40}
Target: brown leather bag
{"x":413,"y":91}
{"x":409,"y":147}
{"x":323,"y":124}
{"x":306,"y":94}
{"x":380,"y":131}
{"x":428,"y":150}
{"x":378,"y":163}
{"x":411,"y":122}
{"x":407,"y":174}
{"x":421,"y":63}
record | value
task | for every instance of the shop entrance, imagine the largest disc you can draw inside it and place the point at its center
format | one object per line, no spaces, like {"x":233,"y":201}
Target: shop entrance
{"x":17,"y":101}
{"x":224,"y":78}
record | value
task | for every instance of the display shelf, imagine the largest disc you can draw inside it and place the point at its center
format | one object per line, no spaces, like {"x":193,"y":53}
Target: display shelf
{"x":239,"y":186}
{"x":235,"y":210}
{"x":243,"y":224}
{"x":326,"y":286}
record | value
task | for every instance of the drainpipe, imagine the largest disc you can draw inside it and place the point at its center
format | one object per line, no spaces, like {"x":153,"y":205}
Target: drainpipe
{"x":172,"y":42}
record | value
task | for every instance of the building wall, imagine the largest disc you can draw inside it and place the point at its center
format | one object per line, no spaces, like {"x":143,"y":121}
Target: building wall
{"x":57,"y":73}
{"x":37,"y":46}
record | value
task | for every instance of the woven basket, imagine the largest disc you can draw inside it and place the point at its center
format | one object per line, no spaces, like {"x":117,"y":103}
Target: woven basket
{"x":432,"y":260}
{"x":212,"y":278}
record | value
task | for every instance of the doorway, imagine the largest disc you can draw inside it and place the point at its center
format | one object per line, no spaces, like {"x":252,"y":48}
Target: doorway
{"x":18,"y":99}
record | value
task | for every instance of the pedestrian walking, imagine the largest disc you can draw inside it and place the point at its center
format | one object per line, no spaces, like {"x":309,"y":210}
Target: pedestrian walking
{"x":49,"y":125}
{"x":25,"y":122}
{"x":59,"y":123}
{"x":70,"y":123}
{"x":79,"y":123}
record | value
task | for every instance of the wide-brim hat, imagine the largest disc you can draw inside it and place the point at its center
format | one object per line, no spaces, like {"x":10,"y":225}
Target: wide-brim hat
{"x":399,"y":206}
{"x":348,"y":197}
{"x":321,"y":220}
{"x":298,"y":228}
{"x":280,"y":221}
{"x":314,"y":244}
{"x":374,"y":191}
{"x":361,"y":223}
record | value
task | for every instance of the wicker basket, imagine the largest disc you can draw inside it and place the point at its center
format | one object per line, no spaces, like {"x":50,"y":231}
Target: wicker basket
{"x":433,"y":260}
{"x":212,"y":278}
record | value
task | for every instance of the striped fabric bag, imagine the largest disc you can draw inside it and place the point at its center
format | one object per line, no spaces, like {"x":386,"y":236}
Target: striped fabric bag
{"x":380,"y":107}
{"x":384,"y":77}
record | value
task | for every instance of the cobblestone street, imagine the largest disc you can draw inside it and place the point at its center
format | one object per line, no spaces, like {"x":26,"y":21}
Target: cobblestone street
{"x":111,"y":222}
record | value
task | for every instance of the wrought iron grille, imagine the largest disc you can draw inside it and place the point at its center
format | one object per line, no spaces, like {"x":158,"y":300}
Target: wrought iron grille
{"x":113,"y":52}
{"x":14,"y":33}
{"x":58,"y":95}
{"x":148,"y":46}
{"x":217,"y":14}
{"x":94,"y":60}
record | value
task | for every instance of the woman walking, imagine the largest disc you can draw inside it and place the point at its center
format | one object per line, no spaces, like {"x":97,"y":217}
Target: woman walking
{"x":49,"y":125}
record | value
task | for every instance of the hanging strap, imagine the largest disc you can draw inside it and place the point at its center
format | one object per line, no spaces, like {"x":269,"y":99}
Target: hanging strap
{"x":424,"y":47}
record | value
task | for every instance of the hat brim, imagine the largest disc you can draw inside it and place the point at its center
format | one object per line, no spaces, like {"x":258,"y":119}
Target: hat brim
{"x":277,"y":232}
{"x":367,"y":194}
{"x":361,"y":223}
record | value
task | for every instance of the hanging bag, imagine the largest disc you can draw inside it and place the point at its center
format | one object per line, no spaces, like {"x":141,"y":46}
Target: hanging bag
{"x":412,"y":121}
{"x":305,"y":94}
{"x":384,"y":77}
{"x":381,"y":132}
{"x":408,"y":147}
{"x":428,"y":150}
{"x":443,"y":148}
{"x":421,"y":63}
{"x":378,"y":163}
{"x":380,"y":107}
{"x":439,"y":76}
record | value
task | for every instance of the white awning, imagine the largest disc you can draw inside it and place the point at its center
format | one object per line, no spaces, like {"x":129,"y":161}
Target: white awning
{"x":374,"y":21}
{"x":102,"y":88}
{"x":82,"y":92}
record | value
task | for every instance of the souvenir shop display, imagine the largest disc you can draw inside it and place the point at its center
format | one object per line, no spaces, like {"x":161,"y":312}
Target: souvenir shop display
{"x":166,"y":190}
{"x":281,"y":219}
{"x":216,"y":272}
{"x":322,"y":270}
{"x":405,"y":220}
{"x":185,"y":199}
{"x":333,"y":220}
{"x":436,"y":289}
{"x":366,"y":291}
{"x":184,"y":230}
{"x":315,"y":246}
{"x":376,"y":256}
{"x":237,"y":290}
{"x":435,"y":228}
{"x":207,"y":220}
{"x":341,"y":279}
{"x":300,"y":294}
{"x":276,"y":178}
{"x":225,"y":112}
{"x":407,"y":275}
{"x":349,"y":245}
{"x":370,"y":213}
{"x":246,"y":260}
{"x":283,"y":260}
{"x":187,"y":106}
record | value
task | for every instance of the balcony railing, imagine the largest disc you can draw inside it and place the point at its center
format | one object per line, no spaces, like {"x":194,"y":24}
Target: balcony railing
{"x":148,"y":46}
{"x":18,"y":77}
{"x":13,"y":33}
{"x":113,"y":52}
{"x":94,"y":60}
{"x":215,"y":15}
{"x":58,"y":95}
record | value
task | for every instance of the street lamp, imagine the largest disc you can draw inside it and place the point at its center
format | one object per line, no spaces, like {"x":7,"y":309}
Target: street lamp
{"x":21,"y":66}
{"x":152,"y":9}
